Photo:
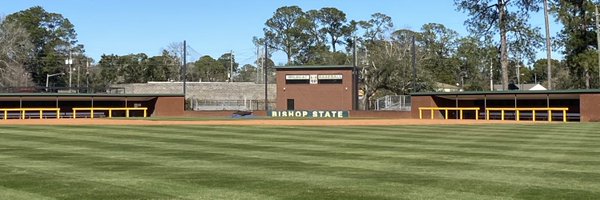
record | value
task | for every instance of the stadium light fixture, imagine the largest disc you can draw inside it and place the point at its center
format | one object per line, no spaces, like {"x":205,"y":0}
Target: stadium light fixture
{"x":51,"y":75}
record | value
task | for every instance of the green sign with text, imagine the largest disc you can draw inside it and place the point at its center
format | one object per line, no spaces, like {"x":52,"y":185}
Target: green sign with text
{"x":309,"y":114}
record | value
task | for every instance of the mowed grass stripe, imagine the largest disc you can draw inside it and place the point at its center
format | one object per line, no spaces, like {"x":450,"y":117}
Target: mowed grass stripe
{"x":362,"y":194}
{"x":423,"y":145}
{"x":146,"y":168}
{"x":12,"y":194}
{"x":344,"y":133}
{"x":421,"y":160}
{"x":311,"y":151}
{"x":505,"y":132}
{"x":443,"y":184}
{"x":484,"y":140}
{"x":353,"y":135}
{"x":119,"y":164}
{"x":468,"y":134}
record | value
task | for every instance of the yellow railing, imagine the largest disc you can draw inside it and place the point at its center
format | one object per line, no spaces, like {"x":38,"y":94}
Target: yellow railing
{"x":446,"y":109}
{"x":533,"y":111}
{"x":22,"y":111}
{"x":109,"y":111}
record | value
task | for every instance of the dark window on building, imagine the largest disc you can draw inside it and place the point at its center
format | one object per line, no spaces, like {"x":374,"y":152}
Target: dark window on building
{"x":330,"y":81}
{"x":290,"y":104}
{"x":302,"y":81}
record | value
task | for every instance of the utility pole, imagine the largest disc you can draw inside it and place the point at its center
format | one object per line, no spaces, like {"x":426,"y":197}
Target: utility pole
{"x":265,"y":69}
{"x":598,"y":38}
{"x":548,"y":47}
{"x":69,"y":62}
{"x":184,"y":68}
{"x":257,"y":61}
{"x":491,"y":76}
{"x":78,"y":73}
{"x":87,"y":75}
{"x":231,"y":66}
{"x":414,"y":64}
{"x":354,"y":76}
{"x":519,"y":76}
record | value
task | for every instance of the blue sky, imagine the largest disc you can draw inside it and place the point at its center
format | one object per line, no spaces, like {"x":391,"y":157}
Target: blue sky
{"x":216,"y":27}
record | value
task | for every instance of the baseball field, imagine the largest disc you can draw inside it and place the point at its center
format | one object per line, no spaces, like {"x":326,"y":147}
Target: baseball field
{"x":267,"y":161}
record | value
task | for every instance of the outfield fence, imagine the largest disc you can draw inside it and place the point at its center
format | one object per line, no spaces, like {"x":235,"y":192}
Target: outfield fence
{"x":211,"y":105}
{"x":393,"y":102}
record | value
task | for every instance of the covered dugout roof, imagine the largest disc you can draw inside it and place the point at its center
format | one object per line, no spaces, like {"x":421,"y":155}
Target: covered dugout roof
{"x":510,"y":94}
{"x":80,"y":96}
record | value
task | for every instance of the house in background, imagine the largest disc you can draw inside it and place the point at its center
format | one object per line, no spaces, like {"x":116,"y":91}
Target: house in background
{"x":531,"y":87}
{"x":443,"y":87}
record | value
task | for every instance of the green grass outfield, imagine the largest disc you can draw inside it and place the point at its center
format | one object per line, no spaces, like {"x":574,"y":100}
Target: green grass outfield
{"x":558,"y":161}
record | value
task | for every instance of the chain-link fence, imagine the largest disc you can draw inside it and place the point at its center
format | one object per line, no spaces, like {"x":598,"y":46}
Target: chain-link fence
{"x":198,"y":104}
{"x":397,"y":102}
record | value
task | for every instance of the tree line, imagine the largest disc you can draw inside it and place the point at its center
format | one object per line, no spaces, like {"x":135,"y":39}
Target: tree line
{"x":34,"y":43}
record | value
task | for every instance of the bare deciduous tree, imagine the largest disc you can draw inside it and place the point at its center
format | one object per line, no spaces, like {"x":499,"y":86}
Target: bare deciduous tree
{"x":15,"y":51}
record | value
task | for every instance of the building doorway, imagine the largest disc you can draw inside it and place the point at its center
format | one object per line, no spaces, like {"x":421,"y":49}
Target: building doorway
{"x":290,"y":104}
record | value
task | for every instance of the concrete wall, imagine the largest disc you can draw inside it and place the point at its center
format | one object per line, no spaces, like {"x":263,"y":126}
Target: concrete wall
{"x":205,"y":90}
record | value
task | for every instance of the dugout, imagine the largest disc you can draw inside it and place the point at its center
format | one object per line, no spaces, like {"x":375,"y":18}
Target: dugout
{"x":156,"y":104}
{"x":329,"y":87}
{"x":583,"y":105}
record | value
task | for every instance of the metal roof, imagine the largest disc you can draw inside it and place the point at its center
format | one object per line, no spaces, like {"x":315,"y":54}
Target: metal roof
{"x":80,"y":97}
{"x":589,"y":91}
{"x":85,"y":95}
{"x":316,"y":67}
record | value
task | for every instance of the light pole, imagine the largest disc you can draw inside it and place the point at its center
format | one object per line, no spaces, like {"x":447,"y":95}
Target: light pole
{"x":519,"y":75}
{"x":70,"y":62}
{"x":51,"y":75}
{"x":548,"y":47}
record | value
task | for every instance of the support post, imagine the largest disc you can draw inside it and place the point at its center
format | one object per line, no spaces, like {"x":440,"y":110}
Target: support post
{"x":431,"y":113}
{"x":266,"y":69}
{"x":184,"y":69}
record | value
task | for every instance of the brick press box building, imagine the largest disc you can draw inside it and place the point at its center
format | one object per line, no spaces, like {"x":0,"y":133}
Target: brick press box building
{"x":315,"y":88}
